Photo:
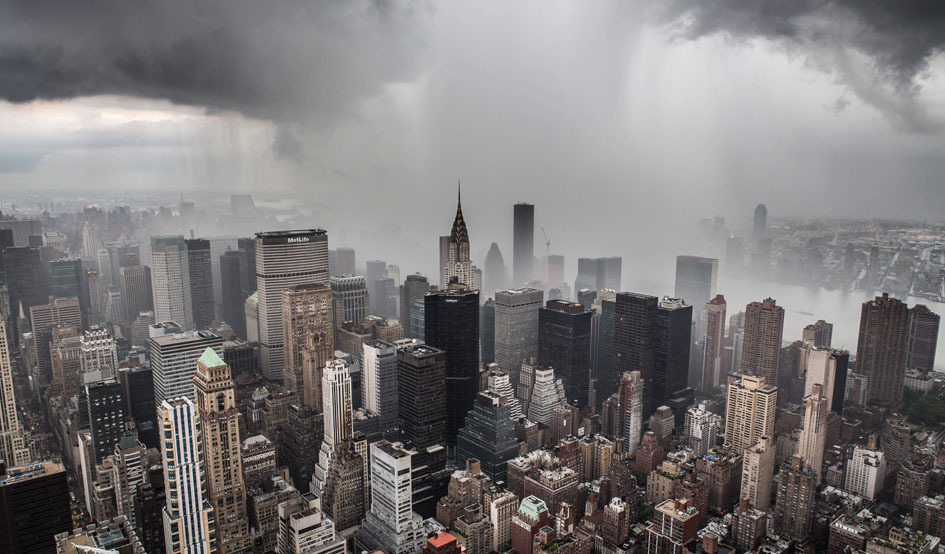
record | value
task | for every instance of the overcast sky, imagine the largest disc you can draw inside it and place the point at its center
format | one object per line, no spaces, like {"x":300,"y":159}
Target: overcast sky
{"x":617,"y":108}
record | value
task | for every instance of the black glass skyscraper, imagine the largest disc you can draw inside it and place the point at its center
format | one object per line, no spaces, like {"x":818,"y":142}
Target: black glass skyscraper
{"x":201,"y":282}
{"x":635,"y":341}
{"x":67,"y":282}
{"x":451,"y":321}
{"x":673,"y":334}
{"x":487,"y":332}
{"x":27,"y":281}
{"x":421,"y":394}
{"x":523,"y":244}
{"x":607,"y":376}
{"x":564,"y":344}
{"x":232,"y":293}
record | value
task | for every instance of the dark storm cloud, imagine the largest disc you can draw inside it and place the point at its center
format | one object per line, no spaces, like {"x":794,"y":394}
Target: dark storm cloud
{"x":282,"y":60}
{"x":898,"y":38}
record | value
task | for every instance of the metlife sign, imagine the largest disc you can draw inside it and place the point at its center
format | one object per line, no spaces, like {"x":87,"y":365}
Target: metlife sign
{"x":293,"y":240}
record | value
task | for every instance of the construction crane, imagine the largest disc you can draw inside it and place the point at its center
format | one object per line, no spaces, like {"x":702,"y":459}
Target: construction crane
{"x":547,"y":241}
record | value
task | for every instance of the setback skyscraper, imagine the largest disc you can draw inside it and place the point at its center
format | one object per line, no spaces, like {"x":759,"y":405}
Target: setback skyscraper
{"x":451,"y":322}
{"x":307,"y":318}
{"x":488,"y":435}
{"x":188,"y":515}
{"x":494,"y":275}
{"x":13,"y":439}
{"x":284,"y":259}
{"x":219,"y":431}
{"x":523,"y":244}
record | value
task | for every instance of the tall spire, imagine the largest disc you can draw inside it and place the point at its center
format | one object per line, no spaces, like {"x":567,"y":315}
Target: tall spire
{"x":459,"y":232}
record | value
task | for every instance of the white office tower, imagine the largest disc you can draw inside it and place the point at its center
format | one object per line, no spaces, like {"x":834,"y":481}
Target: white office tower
{"x":14,"y":446}
{"x":188,"y":515}
{"x":500,"y":384}
{"x":821,"y":367}
{"x":547,"y":394}
{"x":99,"y":352}
{"x":338,"y":417}
{"x":758,"y":473}
{"x":379,"y":382}
{"x":391,"y":525}
{"x":866,"y":471}
{"x":633,"y":415}
{"x":284,"y":259}
{"x":170,"y":281}
{"x":174,"y":361}
{"x":336,"y":402}
{"x":304,"y":529}
{"x":702,"y":429}
{"x":750,"y":407}
{"x":810,"y":445}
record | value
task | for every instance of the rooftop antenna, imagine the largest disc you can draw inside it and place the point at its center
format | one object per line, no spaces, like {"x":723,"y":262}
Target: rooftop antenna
{"x":547,"y":241}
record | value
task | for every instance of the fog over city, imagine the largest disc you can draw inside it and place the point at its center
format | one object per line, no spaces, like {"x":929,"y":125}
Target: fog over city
{"x":169,"y":171}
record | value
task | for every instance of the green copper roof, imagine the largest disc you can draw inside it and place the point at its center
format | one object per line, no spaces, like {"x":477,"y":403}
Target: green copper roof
{"x":210,"y":358}
{"x":532,"y":507}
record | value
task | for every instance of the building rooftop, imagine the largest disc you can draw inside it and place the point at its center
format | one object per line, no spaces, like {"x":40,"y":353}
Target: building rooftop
{"x":532,"y":507}
{"x":32,"y":471}
{"x":210,"y":358}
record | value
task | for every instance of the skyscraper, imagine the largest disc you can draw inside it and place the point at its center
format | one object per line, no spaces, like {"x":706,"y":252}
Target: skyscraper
{"x":374,"y":271}
{"x":487,"y":332}
{"x":351,"y":299}
{"x":761,"y":221}
{"x":105,"y":410}
{"x":458,"y":263}
{"x":488,"y":435}
{"x":494,"y":274}
{"x":827,"y":367}
{"x":635,"y":341}
{"x":345,"y":261}
{"x":34,"y":507}
{"x":443,"y":244}
{"x":761,"y":346}
{"x":27,"y":282}
{"x":391,"y":525}
{"x":218,"y":247}
{"x":757,"y":473}
{"x":516,"y":328}
{"x":231,"y":295}
{"x":174,"y":361}
{"x":379,"y":382}
{"x":337,"y":403}
{"x":714,"y":344}
{"x":598,"y":273}
{"x":247,"y":250}
{"x":13,"y":439}
{"x":523,"y":244}
{"x":170,"y":281}
{"x":673,"y":340}
{"x":819,"y":333}
{"x":67,"y":282}
{"x":421,"y":390}
{"x":564,"y":344}
{"x":199,"y":265}
{"x":750,"y":407}
{"x":414,"y":288}
{"x":793,"y":509}
{"x":923,"y":336}
{"x":219,"y":431}
{"x":307,"y":320}
{"x":631,"y":402}
{"x":284,"y":259}
{"x":546,"y":395}
{"x":882,"y":347}
{"x":451,"y":321}
{"x":811,"y":443}
{"x":702,"y":430}
{"x":135,"y":285}
{"x":188,"y":514}
{"x":696,"y":279}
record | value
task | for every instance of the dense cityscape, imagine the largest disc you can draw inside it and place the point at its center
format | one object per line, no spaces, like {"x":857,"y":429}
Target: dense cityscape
{"x":163,"y":392}
{"x":488,"y":277}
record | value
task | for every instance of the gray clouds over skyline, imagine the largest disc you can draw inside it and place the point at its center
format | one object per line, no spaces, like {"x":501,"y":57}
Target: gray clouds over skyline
{"x":814,"y":107}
